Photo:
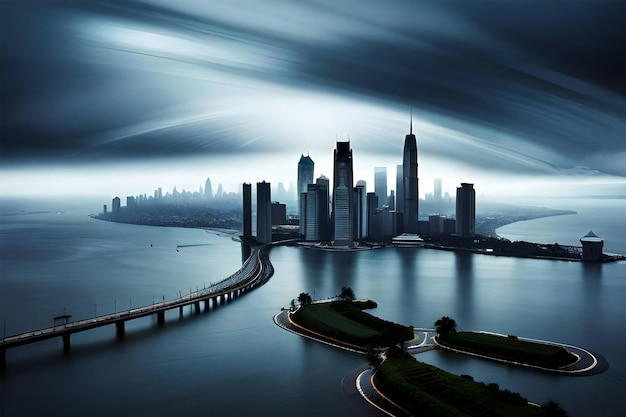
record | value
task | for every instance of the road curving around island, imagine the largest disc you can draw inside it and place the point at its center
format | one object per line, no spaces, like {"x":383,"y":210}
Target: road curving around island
{"x":588,"y":363}
{"x":284,"y":321}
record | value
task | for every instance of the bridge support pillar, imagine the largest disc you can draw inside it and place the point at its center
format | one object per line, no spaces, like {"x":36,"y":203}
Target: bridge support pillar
{"x":197,"y":306}
{"x":161,"y":317}
{"x":66,"y":342}
{"x":180,"y":310}
{"x":119,"y":329}
{"x":3,"y":359}
{"x":206,"y":304}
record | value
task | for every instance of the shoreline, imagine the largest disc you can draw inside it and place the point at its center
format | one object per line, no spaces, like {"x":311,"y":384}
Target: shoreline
{"x":234,"y":234}
{"x":608,"y":257}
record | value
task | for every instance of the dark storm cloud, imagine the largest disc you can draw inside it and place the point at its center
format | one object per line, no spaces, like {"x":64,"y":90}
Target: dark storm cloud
{"x":495,"y":75}
{"x":128,"y":79}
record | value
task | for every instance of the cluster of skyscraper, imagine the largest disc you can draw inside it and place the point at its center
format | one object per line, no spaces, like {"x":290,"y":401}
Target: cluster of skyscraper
{"x":268,"y":213}
{"x":347,"y":213}
{"x":351,"y":214}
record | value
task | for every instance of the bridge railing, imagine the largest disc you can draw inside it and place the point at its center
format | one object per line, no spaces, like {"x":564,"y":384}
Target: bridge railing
{"x":234,"y":280}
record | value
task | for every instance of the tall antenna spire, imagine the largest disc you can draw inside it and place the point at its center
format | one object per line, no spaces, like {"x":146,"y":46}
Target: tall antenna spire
{"x":411,"y":120}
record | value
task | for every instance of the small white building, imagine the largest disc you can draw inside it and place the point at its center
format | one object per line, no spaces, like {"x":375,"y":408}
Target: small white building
{"x":592,"y":247}
{"x":407,"y":240}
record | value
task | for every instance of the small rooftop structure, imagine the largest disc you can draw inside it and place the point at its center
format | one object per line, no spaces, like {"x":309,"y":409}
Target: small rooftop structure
{"x":592,"y":247}
{"x":408,"y":239}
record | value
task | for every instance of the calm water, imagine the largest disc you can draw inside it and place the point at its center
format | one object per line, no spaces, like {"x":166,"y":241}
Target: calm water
{"x":234,"y":361}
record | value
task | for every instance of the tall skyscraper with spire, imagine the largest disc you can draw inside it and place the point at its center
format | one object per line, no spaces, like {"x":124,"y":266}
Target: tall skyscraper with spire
{"x":410,"y":182}
{"x":343,"y":195}
{"x":306,"y":167}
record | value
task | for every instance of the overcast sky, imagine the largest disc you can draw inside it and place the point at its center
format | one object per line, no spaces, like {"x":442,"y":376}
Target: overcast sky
{"x":137,"y":95}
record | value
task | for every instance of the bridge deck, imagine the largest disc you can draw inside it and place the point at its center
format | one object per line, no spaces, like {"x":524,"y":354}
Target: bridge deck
{"x":250,"y":274}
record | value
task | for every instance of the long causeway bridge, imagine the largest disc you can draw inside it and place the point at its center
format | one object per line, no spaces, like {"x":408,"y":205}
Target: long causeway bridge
{"x":254,"y":271}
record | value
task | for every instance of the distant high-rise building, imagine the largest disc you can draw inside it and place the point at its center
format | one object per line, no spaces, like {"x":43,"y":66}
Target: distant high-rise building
{"x":316,"y":226}
{"x":311,"y":202}
{"x":208,"y":189}
{"x":437,"y":195}
{"x":360,"y":210}
{"x":385,"y":222}
{"x":160,"y":196}
{"x":130,"y":202}
{"x":435,"y":224}
{"x":398,"y":222}
{"x":343,"y":195}
{"x":247,"y":210}
{"x":380,"y":185}
{"x":291,"y":192}
{"x":279,"y":213}
{"x":449,"y":226}
{"x":263,"y":212}
{"x":400,"y":190}
{"x":410,"y":183}
{"x":323,"y":196}
{"x":373,"y":223}
{"x":465,"y":210}
{"x":281,"y":192}
{"x":116,"y":206}
{"x":220,"y":192}
{"x":306,"y":167}
{"x":392,"y":201}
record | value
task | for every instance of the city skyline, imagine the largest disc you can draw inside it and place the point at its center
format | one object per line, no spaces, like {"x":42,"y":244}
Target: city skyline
{"x":184,"y":91}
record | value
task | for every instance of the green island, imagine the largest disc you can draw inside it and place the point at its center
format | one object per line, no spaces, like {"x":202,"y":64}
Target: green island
{"x":423,"y":389}
{"x":509,"y":348}
{"x":345,"y":321}
{"x":418,"y":388}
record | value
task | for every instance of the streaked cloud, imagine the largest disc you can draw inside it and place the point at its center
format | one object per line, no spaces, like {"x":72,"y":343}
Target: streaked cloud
{"x":524,"y":88}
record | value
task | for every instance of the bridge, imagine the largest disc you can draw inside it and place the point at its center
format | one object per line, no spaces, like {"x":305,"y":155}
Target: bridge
{"x":255,"y":271}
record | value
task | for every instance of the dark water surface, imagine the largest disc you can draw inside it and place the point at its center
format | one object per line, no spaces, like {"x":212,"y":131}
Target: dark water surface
{"x":234,"y":361}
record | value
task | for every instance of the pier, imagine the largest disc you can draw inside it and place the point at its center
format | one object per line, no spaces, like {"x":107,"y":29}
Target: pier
{"x":254,"y":271}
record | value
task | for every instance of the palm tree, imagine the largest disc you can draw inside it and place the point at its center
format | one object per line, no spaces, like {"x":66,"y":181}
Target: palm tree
{"x":346,"y":294}
{"x":445,"y":326}
{"x":304,"y":298}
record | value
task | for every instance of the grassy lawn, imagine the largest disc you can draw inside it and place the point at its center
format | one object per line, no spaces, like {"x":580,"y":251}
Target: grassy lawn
{"x":426,"y":390}
{"x":345,"y":321}
{"x":510,"y":348}
{"x":419,"y":388}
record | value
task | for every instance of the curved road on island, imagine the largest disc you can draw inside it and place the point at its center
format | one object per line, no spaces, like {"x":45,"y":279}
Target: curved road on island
{"x":358,"y":388}
{"x":588,"y":363}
